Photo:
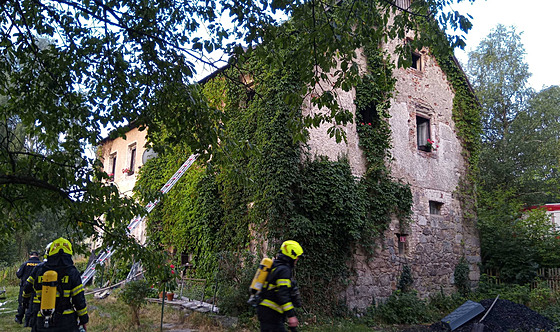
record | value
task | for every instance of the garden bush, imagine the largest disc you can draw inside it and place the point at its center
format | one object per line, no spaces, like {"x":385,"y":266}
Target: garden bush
{"x":134,"y":294}
{"x":400,"y":308}
{"x":234,"y":277}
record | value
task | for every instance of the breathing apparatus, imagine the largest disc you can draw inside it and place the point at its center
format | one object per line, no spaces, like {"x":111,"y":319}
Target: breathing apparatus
{"x":49,"y":280}
{"x":48,"y":295}
{"x":259,"y":280}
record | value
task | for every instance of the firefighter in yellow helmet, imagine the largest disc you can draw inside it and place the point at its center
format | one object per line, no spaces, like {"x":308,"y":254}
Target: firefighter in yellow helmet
{"x":278,"y":291}
{"x":59,"y":303}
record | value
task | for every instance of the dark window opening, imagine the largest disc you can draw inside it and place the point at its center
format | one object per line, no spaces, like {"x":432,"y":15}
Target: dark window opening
{"x":401,"y":241}
{"x":184,"y":258}
{"x":132,"y":160}
{"x":416,"y":61}
{"x":435,"y":208}
{"x":422,"y":133}
{"x":250,"y":95}
{"x":113,"y":164}
{"x":369,"y":115}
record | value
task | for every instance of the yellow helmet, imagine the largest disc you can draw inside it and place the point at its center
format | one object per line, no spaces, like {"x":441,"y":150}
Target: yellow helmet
{"x":291,"y":249}
{"x":58,"y":245}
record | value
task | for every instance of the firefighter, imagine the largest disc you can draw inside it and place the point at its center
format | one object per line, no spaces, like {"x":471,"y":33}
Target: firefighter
{"x":59,"y":301}
{"x":23,"y":273}
{"x":277,"y":295}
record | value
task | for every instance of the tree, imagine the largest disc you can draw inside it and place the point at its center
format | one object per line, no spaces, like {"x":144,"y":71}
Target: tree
{"x":519,"y":159}
{"x":520,"y":140}
{"x":110,"y":63}
{"x":499,"y":76}
{"x":538,"y":139}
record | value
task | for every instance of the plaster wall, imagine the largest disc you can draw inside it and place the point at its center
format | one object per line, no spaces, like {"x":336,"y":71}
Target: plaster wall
{"x":121,"y":149}
{"x":434,"y":242}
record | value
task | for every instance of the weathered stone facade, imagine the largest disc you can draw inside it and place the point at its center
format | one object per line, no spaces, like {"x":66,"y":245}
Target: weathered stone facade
{"x":437,"y":239}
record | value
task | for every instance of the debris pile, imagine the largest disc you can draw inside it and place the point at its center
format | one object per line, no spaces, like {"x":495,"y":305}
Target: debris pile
{"x":505,"y":316}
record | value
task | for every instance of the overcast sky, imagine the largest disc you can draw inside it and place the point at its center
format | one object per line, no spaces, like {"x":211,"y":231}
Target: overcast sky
{"x":537,"y":19}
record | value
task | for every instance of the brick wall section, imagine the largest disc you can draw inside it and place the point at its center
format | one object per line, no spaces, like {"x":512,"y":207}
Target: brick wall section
{"x":435,"y":243}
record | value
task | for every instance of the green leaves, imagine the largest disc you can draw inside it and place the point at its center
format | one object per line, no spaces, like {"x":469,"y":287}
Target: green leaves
{"x":72,"y":71}
{"x":520,"y":137}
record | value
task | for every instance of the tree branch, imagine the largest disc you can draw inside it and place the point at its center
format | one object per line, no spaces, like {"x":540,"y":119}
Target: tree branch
{"x":33,"y":182}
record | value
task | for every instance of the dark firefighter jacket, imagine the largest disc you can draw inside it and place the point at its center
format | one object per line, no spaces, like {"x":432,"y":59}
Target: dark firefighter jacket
{"x":70,"y":298}
{"x":25,"y":269}
{"x":276,"y":293}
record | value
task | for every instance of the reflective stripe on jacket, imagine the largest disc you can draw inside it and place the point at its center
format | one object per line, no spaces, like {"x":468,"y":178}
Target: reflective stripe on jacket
{"x":70,"y":297}
{"x":276,"y":292}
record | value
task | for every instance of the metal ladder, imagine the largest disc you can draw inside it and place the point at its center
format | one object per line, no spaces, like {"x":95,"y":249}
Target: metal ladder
{"x":107,"y":253}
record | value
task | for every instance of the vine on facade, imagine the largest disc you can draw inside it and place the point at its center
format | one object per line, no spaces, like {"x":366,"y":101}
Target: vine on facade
{"x":263,"y":188}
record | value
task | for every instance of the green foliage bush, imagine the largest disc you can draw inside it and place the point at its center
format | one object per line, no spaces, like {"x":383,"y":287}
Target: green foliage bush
{"x":8,"y":275}
{"x":461,"y":276}
{"x":405,"y":280}
{"x":542,"y":297}
{"x":400,"y":308}
{"x":552,"y":312}
{"x":234,"y":277}
{"x":442,"y":304}
{"x":135,"y":294}
{"x":512,"y":243}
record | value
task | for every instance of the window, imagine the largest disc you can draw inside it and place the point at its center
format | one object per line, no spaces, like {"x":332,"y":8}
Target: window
{"x":132,"y":159}
{"x":132,"y":155}
{"x":401,"y":240}
{"x":422,"y":132}
{"x":416,"y":61}
{"x":112,"y":164}
{"x":369,"y":114}
{"x":435,"y":208}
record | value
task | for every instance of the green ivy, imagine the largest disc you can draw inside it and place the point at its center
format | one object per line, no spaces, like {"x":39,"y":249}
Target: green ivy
{"x":466,"y":115}
{"x":461,"y":276}
{"x":259,"y":186}
{"x":385,"y":196}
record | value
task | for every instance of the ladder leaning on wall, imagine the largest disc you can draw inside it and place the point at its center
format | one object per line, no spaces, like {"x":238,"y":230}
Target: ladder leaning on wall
{"x":106,"y":254}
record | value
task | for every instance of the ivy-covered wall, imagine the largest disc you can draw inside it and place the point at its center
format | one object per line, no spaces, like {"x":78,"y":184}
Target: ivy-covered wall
{"x":435,"y":240}
{"x":344,"y":202}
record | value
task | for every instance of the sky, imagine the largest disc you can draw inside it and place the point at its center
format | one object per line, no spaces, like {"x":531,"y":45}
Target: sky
{"x":538,"y":22}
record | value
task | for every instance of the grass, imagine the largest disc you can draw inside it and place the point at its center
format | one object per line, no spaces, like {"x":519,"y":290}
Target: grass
{"x":111,"y":314}
{"x":8,"y":309}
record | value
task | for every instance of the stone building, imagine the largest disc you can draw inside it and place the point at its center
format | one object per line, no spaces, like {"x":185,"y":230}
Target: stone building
{"x":439,"y":234}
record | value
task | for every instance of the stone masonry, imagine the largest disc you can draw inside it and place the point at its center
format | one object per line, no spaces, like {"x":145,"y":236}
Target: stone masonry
{"x":435,"y":241}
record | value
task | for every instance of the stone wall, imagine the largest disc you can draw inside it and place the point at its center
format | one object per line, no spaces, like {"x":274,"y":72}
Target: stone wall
{"x":434,"y":243}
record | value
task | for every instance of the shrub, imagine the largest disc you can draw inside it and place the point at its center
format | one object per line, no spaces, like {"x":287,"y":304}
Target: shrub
{"x":542,"y":297}
{"x":461,"y":276}
{"x":552,"y":313}
{"x":405,"y":280}
{"x":8,"y":275}
{"x":513,"y":292}
{"x":400,"y":308}
{"x":441,"y":304}
{"x":134,"y":294}
{"x":234,"y":278}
